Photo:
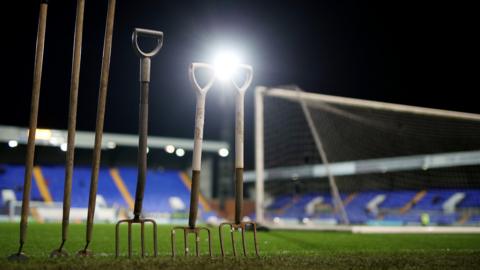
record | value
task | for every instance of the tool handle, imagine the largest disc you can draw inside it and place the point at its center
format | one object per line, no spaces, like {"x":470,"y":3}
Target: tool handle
{"x":248,"y":80}
{"x":239,"y":128}
{"x":142,"y":150}
{"x":194,"y":191}
{"x":193,"y":77}
{"x":137,"y":32}
{"x":238,"y":195}
{"x":198,"y":134}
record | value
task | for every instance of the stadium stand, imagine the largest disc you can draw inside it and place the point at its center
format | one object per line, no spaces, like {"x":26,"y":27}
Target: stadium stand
{"x":116,"y":186}
{"x":402,"y":207}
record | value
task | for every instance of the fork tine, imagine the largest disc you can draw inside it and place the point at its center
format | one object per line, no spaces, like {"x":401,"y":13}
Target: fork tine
{"x":172,"y":236}
{"x":197,"y":240}
{"x":129,"y":239}
{"x":155,"y":239}
{"x":232,"y":233}
{"x":142,"y":238}
{"x":243,"y":240}
{"x":185,"y":243}
{"x":255,"y":238}
{"x":209,"y":240}
{"x":220,"y":234}
{"x":117,"y":234}
{"x":254,"y":226}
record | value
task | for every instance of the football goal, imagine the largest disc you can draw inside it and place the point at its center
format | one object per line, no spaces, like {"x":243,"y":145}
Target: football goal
{"x":326,"y":161}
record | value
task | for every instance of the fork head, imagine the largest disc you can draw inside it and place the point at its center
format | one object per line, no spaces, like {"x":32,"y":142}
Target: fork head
{"x":142,"y":236}
{"x":191,"y":230}
{"x":238,"y":227}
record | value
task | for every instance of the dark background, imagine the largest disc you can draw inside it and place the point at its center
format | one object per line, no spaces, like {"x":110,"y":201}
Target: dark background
{"x":418,"y":53}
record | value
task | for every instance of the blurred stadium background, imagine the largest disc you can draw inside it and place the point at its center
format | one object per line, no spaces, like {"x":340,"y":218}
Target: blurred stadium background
{"x":387,"y":166}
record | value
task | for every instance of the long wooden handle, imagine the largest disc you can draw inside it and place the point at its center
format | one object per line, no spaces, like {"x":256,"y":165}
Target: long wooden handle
{"x":102,"y":99}
{"x":72,"y":116}
{"x":37,"y":81}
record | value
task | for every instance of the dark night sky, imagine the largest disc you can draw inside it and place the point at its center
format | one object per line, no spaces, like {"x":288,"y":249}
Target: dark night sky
{"x":422,"y":54}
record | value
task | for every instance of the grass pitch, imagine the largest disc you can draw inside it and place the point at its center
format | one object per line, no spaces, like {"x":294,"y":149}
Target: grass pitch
{"x":279,"y":250}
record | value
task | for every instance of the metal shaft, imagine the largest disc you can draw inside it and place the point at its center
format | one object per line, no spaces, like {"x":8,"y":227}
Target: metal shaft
{"x":238,"y":195}
{"x":37,"y":81}
{"x":72,"y":116}
{"x":142,"y":149}
{"x":192,"y":217}
{"x":102,"y":98}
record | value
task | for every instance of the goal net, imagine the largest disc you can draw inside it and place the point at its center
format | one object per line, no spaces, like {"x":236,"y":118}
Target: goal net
{"x":326,"y":160}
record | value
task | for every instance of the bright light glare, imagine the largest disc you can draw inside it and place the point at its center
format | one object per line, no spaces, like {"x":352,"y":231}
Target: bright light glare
{"x":170,"y":149}
{"x":54,"y":141}
{"x":12,"y":143}
{"x":180,"y":152}
{"x":111,"y":145}
{"x":223,"y":152}
{"x":43,"y":134}
{"x":63,"y":147}
{"x":225,"y":64}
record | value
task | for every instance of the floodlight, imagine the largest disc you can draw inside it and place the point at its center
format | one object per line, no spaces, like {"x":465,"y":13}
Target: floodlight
{"x":225,"y":64}
{"x":180,"y":152}
{"x":223,"y":152}
{"x":63,"y":147}
{"x":170,"y":149}
{"x":12,"y":143}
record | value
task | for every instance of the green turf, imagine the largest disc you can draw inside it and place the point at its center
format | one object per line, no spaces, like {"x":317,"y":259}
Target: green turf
{"x":279,"y":250}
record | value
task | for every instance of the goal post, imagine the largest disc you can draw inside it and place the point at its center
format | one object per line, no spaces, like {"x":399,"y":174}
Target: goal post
{"x":346,"y":155}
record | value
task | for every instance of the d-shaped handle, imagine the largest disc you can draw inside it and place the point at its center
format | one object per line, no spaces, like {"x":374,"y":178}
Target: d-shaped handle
{"x":193,"y":78}
{"x":248,"y":80}
{"x":158,"y":35}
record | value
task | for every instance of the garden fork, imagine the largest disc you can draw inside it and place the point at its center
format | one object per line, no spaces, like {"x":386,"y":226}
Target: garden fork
{"x":196,"y":163}
{"x":142,"y":149}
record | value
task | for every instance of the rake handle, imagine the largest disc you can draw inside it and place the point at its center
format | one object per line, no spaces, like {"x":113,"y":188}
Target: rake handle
{"x":192,"y":217}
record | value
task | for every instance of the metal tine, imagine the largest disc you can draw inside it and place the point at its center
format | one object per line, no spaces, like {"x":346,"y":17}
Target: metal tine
{"x":155,"y":244}
{"x":142,"y":238}
{"x":197,"y":239}
{"x":117,"y":237}
{"x":254,"y":225}
{"x":243,"y":240}
{"x":129,"y":239}
{"x":172,"y":237}
{"x":209,"y":240}
{"x":185,"y":242}
{"x":232,"y":232}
